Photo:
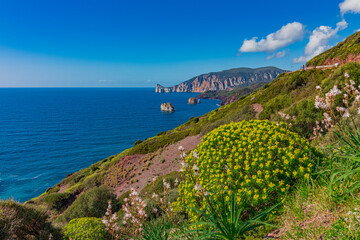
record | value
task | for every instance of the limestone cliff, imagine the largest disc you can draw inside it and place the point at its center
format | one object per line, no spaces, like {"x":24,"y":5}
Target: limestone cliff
{"x":225,"y":80}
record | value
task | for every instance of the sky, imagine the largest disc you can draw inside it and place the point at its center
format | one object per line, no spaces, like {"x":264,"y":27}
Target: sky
{"x":136,"y":43}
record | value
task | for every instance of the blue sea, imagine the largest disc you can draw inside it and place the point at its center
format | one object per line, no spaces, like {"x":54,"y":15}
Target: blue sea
{"x":47,"y":133}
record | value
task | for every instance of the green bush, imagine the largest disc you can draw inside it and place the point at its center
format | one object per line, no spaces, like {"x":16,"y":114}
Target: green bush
{"x":86,"y":228}
{"x":92,"y":203}
{"x":161,"y":133}
{"x":256,"y":157}
{"x":21,"y":222}
{"x":137,"y":142}
{"x":57,"y":201}
{"x":54,"y":189}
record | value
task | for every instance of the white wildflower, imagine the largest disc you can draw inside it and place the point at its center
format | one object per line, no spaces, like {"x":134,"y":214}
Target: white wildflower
{"x":346,"y":114}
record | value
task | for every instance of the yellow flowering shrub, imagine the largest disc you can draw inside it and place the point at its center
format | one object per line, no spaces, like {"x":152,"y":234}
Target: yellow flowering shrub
{"x":258,"y":157}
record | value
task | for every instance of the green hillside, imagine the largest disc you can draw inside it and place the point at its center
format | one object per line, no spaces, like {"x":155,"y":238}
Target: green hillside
{"x":309,"y":208}
{"x":351,"y":45}
{"x":292,"y":93}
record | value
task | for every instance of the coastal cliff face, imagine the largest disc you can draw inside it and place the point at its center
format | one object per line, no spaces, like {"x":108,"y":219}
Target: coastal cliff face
{"x":225,"y":80}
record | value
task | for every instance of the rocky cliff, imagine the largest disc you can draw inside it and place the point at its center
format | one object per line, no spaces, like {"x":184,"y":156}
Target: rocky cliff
{"x":225,"y":80}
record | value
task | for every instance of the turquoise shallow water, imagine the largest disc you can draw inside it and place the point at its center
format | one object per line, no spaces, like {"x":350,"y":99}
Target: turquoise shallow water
{"x":47,"y":133}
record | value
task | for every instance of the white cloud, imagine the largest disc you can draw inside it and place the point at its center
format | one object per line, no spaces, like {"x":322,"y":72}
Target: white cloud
{"x":350,"y":6}
{"x":288,"y":34}
{"x":279,"y":54}
{"x":319,"y":40}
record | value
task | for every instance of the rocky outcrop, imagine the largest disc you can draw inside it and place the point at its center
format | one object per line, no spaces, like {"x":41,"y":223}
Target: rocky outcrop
{"x":228,"y":100}
{"x":167,"y":107}
{"x":192,"y":101}
{"x":350,"y":58}
{"x":225,"y":80}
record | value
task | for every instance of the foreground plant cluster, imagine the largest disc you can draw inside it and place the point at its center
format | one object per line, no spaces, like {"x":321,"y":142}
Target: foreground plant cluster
{"x":245,"y":180}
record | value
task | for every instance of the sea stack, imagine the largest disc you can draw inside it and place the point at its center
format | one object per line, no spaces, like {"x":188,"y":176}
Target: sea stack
{"x":167,"y":107}
{"x":192,"y":100}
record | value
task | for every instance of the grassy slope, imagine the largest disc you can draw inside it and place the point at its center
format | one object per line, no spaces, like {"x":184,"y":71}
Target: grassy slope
{"x":350,"y":46}
{"x":291,"y":92}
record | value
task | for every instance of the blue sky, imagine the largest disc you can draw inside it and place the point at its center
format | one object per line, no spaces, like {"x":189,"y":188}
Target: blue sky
{"x":140,"y":43}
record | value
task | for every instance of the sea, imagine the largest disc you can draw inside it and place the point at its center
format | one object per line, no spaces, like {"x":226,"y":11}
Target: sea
{"x":47,"y":133}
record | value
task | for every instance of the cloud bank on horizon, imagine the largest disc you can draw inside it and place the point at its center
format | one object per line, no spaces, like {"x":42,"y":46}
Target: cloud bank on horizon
{"x":294,"y":32}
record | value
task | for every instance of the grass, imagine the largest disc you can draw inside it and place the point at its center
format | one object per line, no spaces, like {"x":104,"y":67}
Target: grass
{"x":313,"y":210}
{"x":291,"y":93}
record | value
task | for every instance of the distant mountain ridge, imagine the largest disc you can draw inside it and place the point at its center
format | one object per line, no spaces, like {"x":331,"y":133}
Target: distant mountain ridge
{"x":224,"y":80}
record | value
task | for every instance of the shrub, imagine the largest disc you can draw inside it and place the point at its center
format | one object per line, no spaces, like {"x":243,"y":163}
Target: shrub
{"x":85,"y":228}
{"x":161,"y":133}
{"x":137,"y":142}
{"x":257,"y":157}
{"x":92,"y":203}
{"x":21,"y":222}
{"x":57,"y":201}
{"x":54,"y":189}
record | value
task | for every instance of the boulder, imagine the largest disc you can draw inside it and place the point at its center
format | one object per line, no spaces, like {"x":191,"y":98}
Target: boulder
{"x":192,"y":100}
{"x":167,"y":107}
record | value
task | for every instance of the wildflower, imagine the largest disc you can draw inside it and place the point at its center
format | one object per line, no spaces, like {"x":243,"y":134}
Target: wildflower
{"x":181,"y":148}
{"x":166,"y":185}
{"x":340,"y":109}
{"x":196,"y":169}
{"x":349,"y":212}
{"x":346,"y":75}
{"x":357,"y":98}
{"x":195,"y":154}
{"x":335,"y":91}
{"x":346,"y":113}
{"x":184,"y":164}
{"x":197,"y":187}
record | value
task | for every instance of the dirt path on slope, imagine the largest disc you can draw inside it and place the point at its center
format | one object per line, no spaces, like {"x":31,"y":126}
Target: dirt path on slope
{"x":257,"y":109}
{"x":164,"y":161}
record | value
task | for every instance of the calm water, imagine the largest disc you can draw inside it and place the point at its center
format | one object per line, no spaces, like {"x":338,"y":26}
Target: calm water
{"x":48,"y":133}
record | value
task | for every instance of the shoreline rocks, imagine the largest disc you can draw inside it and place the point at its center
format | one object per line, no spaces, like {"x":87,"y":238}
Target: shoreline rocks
{"x":192,"y":100}
{"x":167,"y":107}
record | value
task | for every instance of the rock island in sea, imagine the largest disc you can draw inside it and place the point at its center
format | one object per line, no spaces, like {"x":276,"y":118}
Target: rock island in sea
{"x":167,"y":107}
